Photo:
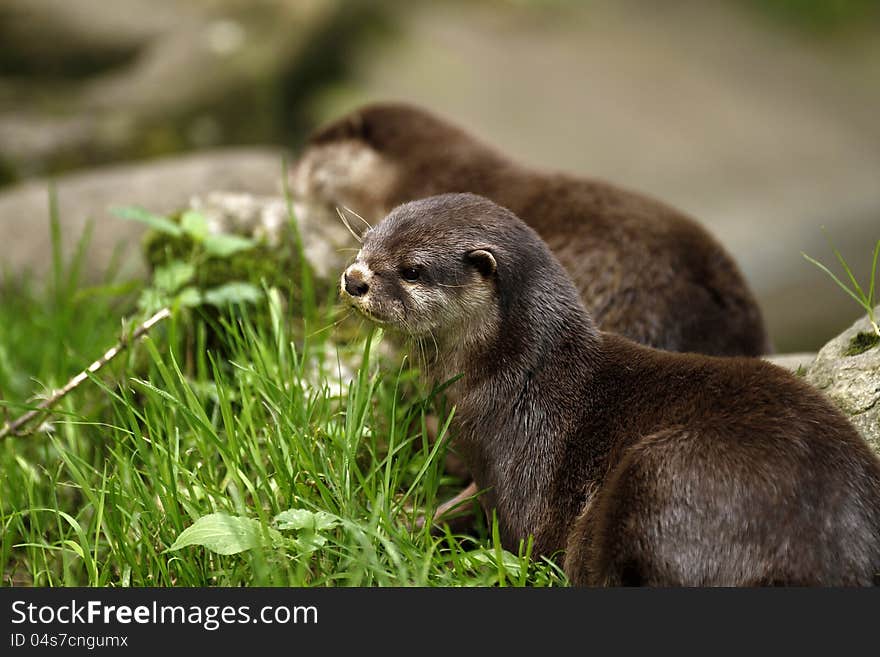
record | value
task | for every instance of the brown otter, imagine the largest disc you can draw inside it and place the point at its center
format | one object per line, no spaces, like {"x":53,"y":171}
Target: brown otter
{"x":643,"y":269}
{"x":644,"y":466}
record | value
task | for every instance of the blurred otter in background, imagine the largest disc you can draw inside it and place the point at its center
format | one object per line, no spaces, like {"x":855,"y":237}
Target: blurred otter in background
{"x":643,"y":269}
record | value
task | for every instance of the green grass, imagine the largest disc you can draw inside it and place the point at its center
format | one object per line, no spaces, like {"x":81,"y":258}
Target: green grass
{"x":288,"y":466}
{"x":862,"y":341}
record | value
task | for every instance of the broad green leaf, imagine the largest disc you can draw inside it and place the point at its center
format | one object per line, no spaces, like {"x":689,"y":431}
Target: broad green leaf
{"x":223,"y":246}
{"x":232,"y":293}
{"x":225,"y":534}
{"x":509,"y":561}
{"x":195,"y":225}
{"x":309,"y":542}
{"x":315,"y":521}
{"x":151,"y":300}
{"x":309,"y":525}
{"x":154,"y":221}
{"x":188,"y":297}
{"x":171,"y":277}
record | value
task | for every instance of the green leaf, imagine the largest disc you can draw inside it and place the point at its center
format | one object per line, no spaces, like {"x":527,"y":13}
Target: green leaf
{"x":309,"y":542}
{"x":225,"y":534}
{"x":151,"y":300}
{"x":309,"y":524}
{"x":188,"y":297}
{"x":232,"y":293}
{"x":173,"y":276}
{"x":154,"y":221}
{"x":195,"y":225}
{"x":316,"y":521}
{"x":505,"y":559}
{"x":223,"y":246}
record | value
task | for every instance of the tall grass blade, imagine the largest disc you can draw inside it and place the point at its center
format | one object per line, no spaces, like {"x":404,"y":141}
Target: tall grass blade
{"x":860,"y":300}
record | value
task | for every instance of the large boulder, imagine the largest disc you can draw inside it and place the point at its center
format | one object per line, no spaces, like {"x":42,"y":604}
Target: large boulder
{"x":161,"y":186}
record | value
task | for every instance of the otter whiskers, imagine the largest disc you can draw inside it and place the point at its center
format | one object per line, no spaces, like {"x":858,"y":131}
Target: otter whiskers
{"x":348,"y":226}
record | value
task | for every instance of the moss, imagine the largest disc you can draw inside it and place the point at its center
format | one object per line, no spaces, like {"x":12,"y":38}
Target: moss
{"x":861,"y":342}
{"x":275,"y":266}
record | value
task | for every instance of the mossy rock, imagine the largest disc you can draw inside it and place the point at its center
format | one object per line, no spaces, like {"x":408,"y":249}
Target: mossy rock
{"x":851,"y":377}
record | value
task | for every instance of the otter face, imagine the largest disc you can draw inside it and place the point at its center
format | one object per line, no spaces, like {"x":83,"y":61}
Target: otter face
{"x":421,"y":288}
{"x":347,"y":173}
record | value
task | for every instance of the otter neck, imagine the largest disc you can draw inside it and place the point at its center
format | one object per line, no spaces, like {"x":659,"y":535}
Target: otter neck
{"x":507,"y":430}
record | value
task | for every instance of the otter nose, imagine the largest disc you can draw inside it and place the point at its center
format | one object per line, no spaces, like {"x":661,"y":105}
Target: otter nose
{"x":355,"y":284}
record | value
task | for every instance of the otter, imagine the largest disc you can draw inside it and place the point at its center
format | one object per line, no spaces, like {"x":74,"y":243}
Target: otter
{"x":643,"y":269}
{"x":641,"y":466}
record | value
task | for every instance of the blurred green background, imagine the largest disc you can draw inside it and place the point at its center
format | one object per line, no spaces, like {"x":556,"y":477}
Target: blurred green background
{"x":758,"y":117}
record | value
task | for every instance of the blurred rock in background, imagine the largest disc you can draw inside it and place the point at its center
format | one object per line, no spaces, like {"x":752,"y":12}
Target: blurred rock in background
{"x":87,"y":81}
{"x":758,"y":117}
{"x":163,"y":186}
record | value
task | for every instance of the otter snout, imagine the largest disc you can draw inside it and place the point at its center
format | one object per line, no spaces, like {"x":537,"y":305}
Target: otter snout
{"x":353,"y":280}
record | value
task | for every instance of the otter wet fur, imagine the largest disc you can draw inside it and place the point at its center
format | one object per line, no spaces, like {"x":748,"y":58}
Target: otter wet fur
{"x":645,"y":467}
{"x":643,"y":269}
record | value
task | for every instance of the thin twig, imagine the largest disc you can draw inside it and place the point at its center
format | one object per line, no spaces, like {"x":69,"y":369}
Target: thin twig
{"x":12,"y":428}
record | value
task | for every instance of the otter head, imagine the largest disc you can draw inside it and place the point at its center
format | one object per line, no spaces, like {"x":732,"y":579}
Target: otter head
{"x":452,"y":270}
{"x":353,"y":162}
{"x":468,"y":280}
{"x":346,"y":173}
{"x":429,"y":271}
{"x":376,"y":157}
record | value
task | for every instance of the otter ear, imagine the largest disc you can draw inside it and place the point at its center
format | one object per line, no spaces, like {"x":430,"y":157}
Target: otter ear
{"x":483,"y":261}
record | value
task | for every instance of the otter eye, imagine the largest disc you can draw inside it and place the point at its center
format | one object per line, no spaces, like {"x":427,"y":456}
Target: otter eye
{"x":410,"y":274}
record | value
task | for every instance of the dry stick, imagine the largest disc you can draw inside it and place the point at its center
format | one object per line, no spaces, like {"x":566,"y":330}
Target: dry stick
{"x":11,"y":428}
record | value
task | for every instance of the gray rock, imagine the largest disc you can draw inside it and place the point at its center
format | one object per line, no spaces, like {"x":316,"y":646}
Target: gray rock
{"x":851,"y":382}
{"x":161,"y":186}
